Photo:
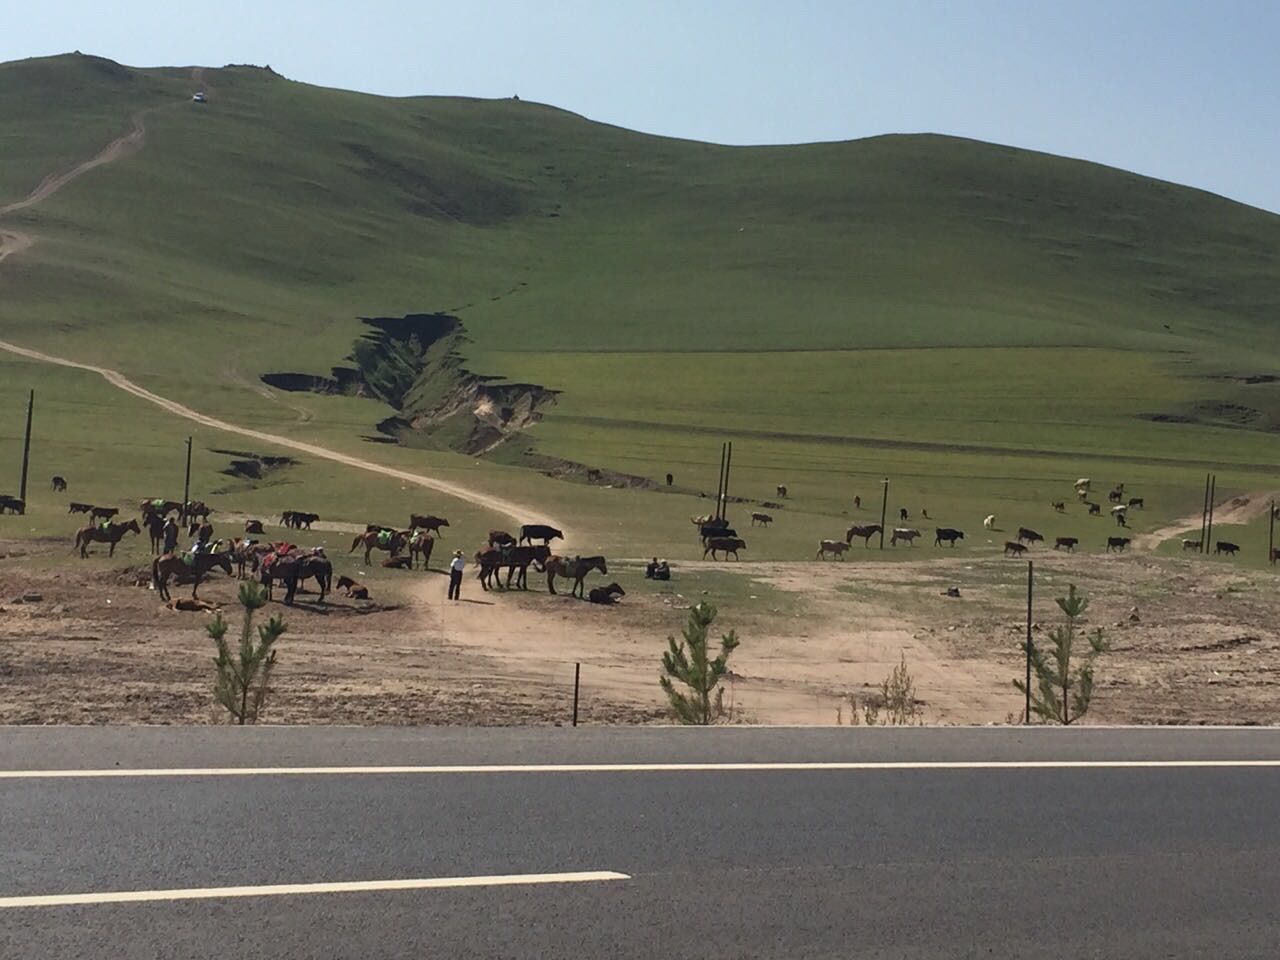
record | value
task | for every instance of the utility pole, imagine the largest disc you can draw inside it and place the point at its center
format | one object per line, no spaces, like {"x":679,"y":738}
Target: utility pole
{"x":1204,"y":518}
{"x":728,"y":464}
{"x":1026,"y":716}
{"x":1271,"y":535}
{"x":884,"y":510}
{"x":1213,"y":492}
{"x":186,"y":485}
{"x":26,"y":448}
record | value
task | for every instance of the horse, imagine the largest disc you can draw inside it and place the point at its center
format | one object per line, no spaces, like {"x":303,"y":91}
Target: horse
{"x":421,"y":544}
{"x":1060,"y":506}
{"x":173,"y":565}
{"x":1117,"y":544}
{"x":430,"y":523}
{"x":248,"y":554}
{"x":577,"y":569}
{"x":906,"y":534}
{"x":1030,"y":536}
{"x":201,"y":531}
{"x":155,"y":530}
{"x":1012,"y":548}
{"x":500,"y":538}
{"x":111,"y":533}
{"x":102,"y":513}
{"x":488,"y":562}
{"x":59,"y":484}
{"x":948,"y":535}
{"x":725,"y":545}
{"x":1069,"y":543}
{"x":782,"y":490}
{"x":292,"y":569}
{"x":834,"y":547}
{"x":1137,"y":503}
{"x":393,"y":541}
{"x":866,"y":532}
{"x":160,"y":507}
{"x":1227,"y":547}
{"x":761,"y":518}
{"x":80,"y":507}
{"x":356,"y":591}
{"x":253,"y":526}
{"x":197,"y":508}
{"x":539,"y":531}
{"x":517,"y":560}
{"x":605,"y":595}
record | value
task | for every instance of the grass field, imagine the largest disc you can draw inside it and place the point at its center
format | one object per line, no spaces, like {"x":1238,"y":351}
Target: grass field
{"x":978,"y":323}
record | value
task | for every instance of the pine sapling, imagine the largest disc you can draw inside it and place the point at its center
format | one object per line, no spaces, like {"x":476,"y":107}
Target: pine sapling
{"x":244,"y":675}
{"x":1061,"y":693}
{"x":688,"y":664}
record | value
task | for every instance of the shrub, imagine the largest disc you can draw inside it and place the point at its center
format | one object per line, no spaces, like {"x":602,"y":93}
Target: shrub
{"x":244,"y":676}
{"x":1060,"y":693}
{"x":687,"y":663}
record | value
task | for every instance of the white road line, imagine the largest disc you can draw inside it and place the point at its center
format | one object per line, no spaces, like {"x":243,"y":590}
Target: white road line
{"x":297,"y":889}
{"x":142,"y":772}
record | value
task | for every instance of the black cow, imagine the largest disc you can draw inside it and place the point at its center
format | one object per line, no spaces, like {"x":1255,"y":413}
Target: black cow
{"x":947,"y":534}
{"x":539,"y":531}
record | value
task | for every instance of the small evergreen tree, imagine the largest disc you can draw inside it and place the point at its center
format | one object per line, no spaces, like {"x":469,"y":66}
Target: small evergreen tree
{"x":687,"y":663}
{"x":245,"y":675}
{"x":1061,"y":694}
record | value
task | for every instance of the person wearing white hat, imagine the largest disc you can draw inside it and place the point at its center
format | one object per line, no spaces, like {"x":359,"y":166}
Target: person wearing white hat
{"x":456,"y":566}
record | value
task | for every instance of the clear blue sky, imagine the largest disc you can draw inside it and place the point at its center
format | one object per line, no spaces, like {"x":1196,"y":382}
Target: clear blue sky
{"x":1186,"y":90}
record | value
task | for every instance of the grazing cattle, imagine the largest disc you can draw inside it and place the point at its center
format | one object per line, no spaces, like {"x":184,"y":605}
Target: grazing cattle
{"x":782,"y":490}
{"x":903,"y":515}
{"x":947,"y":535}
{"x":80,"y":507}
{"x":539,"y":531}
{"x":1116,"y":495}
{"x":1082,"y":496}
{"x":990,"y":522}
{"x":253,"y":526}
{"x":197,"y":566}
{"x":834,"y":547}
{"x":761,"y":518}
{"x":1030,"y":536}
{"x":1060,"y":506}
{"x":725,"y":545}
{"x":1013,"y":549}
{"x":857,"y":503}
{"x":924,"y":513}
{"x":605,"y":595}
{"x":1117,"y":543}
{"x":866,"y":532}
{"x":1084,"y":483}
{"x":576,"y":568}
{"x":670,"y":479}
{"x":905,"y":534}
{"x":1067,"y":543}
{"x":59,"y":484}
{"x":1188,"y":544}
{"x":103,"y":513}
{"x":1136,"y":503}
{"x":429,"y":523}
{"x":1095,"y":509}
{"x":500,"y":538}
{"x":15,"y":505}
{"x":356,"y":591}
{"x":111,"y":533}
{"x":706,"y":533}
{"x":1227,"y":547}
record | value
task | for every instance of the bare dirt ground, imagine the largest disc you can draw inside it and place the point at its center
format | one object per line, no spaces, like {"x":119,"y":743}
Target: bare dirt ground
{"x":1192,"y":643}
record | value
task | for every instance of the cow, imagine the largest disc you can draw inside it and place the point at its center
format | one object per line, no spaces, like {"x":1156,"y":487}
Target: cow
{"x":14,"y":505}
{"x":500,"y":538}
{"x":1060,"y":506}
{"x":80,"y":507}
{"x":761,"y":518}
{"x":782,"y":490}
{"x":1189,"y":544}
{"x":1117,"y":544}
{"x":906,"y":534}
{"x":834,"y":547}
{"x":59,"y":484}
{"x":948,"y":535}
{"x":1030,"y":536}
{"x":430,"y":523}
{"x":539,"y":531}
{"x":725,"y":545}
{"x":1084,"y":483}
{"x":990,"y":522}
{"x":707,"y":532}
{"x":1095,"y":509}
{"x":1227,"y":547}
{"x":1066,"y":543}
{"x":1136,"y":503}
{"x":102,"y":513}
{"x":1014,"y":549}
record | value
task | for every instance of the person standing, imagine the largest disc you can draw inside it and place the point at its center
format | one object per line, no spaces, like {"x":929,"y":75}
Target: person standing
{"x":170,"y":535}
{"x":456,"y":566}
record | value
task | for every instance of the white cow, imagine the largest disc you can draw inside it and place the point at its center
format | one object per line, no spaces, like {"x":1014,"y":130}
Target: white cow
{"x":905,"y":534}
{"x":990,"y":522}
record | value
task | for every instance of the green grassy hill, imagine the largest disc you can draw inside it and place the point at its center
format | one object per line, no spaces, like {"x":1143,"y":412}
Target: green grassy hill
{"x":979,"y":321}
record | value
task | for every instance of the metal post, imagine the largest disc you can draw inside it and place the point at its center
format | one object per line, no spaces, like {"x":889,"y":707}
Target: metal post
{"x":724,"y":449}
{"x":1026,"y":716}
{"x":26,"y":448}
{"x":1204,"y":517}
{"x":577,"y":674}
{"x":186,"y":485}
{"x":884,"y":510}
{"x":728,"y":465}
{"x":1271,"y":535}
{"x":1213,"y":492}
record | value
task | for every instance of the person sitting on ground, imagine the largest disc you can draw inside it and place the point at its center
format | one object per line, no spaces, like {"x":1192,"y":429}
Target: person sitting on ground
{"x":651,"y":569}
{"x":663,"y":572}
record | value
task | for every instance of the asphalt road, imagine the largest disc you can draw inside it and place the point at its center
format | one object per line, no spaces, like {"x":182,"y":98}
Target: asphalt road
{"x":864,"y":861}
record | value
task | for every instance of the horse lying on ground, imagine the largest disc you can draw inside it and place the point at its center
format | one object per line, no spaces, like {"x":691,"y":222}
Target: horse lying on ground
{"x":605,"y":595}
{"x":253,"y":526}
{"x":111,"y":533}
{"x":575,"y":568}
{"x":356,"y":591}
{"x":834,"y":547}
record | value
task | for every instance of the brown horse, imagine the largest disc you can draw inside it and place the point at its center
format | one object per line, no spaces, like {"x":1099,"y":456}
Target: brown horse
{"x":487,"y":562}
{"x":155,"y":530}
{"x":201,"y":531}
{"x":393,"y":543}
{"x":421,"y":544}
{"x":159,"y":507}
{"x":865,"y":532}
{"x":293,"y":569}
{"x":176,"y":566}
{"x":356,"y":591}
{"x":248,"y":555}
{"x":197,"y":508}
{"x":111,"y":533}
{"x":430,"y":523}
{"x":577,"y":568}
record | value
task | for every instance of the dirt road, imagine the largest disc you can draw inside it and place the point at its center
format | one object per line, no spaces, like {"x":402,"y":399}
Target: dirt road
{"x":1242,"y":509}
